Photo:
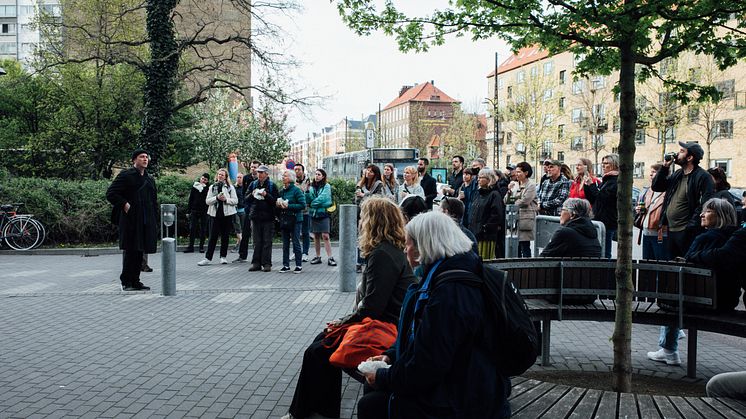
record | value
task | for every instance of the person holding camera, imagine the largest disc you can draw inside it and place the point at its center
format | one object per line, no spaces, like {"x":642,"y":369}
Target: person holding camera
{"x":221,"y":202}
{"x":583,"y":175}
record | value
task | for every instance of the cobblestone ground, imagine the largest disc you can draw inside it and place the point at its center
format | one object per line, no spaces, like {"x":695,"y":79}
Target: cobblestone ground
{"x":229,"y":344}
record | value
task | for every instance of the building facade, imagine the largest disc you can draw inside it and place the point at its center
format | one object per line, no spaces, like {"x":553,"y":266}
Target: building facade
{"x":344,"y":136}
{"x":18,"y":36}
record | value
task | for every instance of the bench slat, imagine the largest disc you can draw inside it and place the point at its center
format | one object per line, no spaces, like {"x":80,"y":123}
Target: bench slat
{"x":646,"y":404}
{"x":587,"y":405}
{"x":607,"y":407}
{"x":666,"y":407}
{"x":523,"y":387}
{"x":703,"y":408}
{"x":628,"y":406}
{"x":687,"y":411}
{"x":520,"y":402}
{"x":542,"y":404}
{"x":726,"y":408}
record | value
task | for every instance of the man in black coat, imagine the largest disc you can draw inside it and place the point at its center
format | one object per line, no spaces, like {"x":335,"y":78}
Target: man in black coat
{"x":243,"y":247}
{"x":427,"y":182}
{"x":197,"y":213}
{"x":261,"y":198}
{"x":133,"y":195}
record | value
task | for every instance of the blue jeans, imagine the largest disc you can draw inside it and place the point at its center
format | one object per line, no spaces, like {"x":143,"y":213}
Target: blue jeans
{"x":653,"y":250}
{"x":607,"y":250}
{"x":286,"y":235}
{"x":669,"y":338}
{"x":306,"y":233}
{"x":524,"y":249}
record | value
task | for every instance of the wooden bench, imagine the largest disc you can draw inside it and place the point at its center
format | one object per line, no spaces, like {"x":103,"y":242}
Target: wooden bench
{"x":552,"y":287}
{"x":536,"y":399}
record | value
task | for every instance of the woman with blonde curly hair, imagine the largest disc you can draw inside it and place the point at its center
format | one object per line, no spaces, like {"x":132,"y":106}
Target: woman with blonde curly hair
{"x":380,"y":295}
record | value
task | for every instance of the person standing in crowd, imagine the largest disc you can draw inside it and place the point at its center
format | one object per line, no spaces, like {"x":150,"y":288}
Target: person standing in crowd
{"x":583,"y":174}
{"x":370,"y":184}
{"x":478,"y":163}
{"x":487,"y":218}
{"x":379,"y":296}
{"x":135,"y":210}
{"x":304,"y":182}
{"x":565,"y":170}
{"x":467,"y":192}
{"x":239,"y":217}
{"x":412,"y":207}
{"x":454,"y":208}
{"x":291,"y":203}
{"x":261,"y":197}
{"x":319,"y":198}
{"x":411,"y":185}
{"x":221,"y":207}
{"x":456,"y":178}
{"x":390,"y":185}
{"x":718,"y":218}
{"x":243,"y":248}
{"x":427,"y":182}
{"x":197,"y":213}
{"x":603,"y":198}
{"x":523,"y":194}
{"x":554,"y":189}
{"x":722,"y":187}
{"x":510,"y":172}
{"x":654,"y":235}
{"x":686,"y":190}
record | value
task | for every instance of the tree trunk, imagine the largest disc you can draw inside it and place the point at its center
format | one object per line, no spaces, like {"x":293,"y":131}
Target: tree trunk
{"x":160,"y":79}
{"x":622,"y":338}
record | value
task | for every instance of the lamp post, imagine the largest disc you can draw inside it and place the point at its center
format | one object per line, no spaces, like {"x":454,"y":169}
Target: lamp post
{"x":168,"y":249}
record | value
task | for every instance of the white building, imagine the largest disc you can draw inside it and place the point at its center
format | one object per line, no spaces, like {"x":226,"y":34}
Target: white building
{"x":18,"y":35}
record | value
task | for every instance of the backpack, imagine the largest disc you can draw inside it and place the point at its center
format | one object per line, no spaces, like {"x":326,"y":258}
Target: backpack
{"x":516,"y":343}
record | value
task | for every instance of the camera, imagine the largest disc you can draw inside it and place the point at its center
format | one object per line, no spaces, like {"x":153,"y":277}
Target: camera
{"x":670,"y":156}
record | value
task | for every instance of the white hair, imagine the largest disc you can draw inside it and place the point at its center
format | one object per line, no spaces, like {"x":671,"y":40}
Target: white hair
{"x":436,"y":236}
{"x":291,"y":174}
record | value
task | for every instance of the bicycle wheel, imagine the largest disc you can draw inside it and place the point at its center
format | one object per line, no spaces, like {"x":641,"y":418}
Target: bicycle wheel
{"x":42,"y":230}
{"x":21,"y":233}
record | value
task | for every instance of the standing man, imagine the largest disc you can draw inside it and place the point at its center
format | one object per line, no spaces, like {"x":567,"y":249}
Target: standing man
{"x":197,"y":213}
{"x":303,"y":182}
{"x":427,"y":182}
{"x":555,"y":189}
{"x":456,"y":179}
{"x":686,"y":191}
{"x":133,"y":195}
{"x":478,"y":163}
{"x":261,"y":197}
{"x":240,"y":215}
{"x":243,"y":246}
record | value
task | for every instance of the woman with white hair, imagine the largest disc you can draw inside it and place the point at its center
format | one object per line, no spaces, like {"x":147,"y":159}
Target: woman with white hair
{"x":291,"y":204}
{"x":440,"y":365}
{"x":487,"y":216}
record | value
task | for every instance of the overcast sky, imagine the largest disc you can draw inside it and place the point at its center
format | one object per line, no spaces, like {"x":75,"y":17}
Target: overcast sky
{"x":358,"y":73}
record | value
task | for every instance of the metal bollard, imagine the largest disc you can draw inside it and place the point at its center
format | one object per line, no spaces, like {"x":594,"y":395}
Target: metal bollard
{"x":511,"y":231}
{"x":347,"y":247}
{"x":168,"y":266}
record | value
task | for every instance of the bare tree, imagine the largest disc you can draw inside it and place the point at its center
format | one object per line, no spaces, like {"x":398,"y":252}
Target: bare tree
{"x":589,"y":114}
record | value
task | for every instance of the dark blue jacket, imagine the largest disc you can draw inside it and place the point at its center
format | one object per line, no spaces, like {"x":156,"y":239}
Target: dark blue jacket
{"x":727,"y":257}
{"x":728,"y":288}
{"x":446,"y":370}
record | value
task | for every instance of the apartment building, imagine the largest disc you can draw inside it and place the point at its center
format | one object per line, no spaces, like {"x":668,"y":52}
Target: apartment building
{"x":18,"y":37}
{"x":545,"y":111}
{"x":342,"y":137}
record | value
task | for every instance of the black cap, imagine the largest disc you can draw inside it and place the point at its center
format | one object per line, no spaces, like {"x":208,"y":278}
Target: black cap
{"x":693,"y":148}
{"x":137,"y":152}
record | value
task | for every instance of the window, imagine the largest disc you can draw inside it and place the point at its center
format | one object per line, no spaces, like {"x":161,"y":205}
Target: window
{"x":560,"y":131}
{"x":27,"y":10}
{"x":726,"y":88}
{"x":8,"y":28}
{"x":616,"y":124}
{"x":562,"y":103}
{"x":548,"y":68}
{"x":546,"y":149}
{"x":521,"y":76}
{"x":562,"y":76}
{"x":723,"y":164}
{"x":598,"y":141}
{"x":599,"y":111}
{"x":668,"y":65}
{"x":547,"y":94}
{"x":740,"y":100}
{"x":7,"y":48}
{"x":500,"y":83}
{"x":510,"y":92}
{"x":561,"y":156}
{"x":695,"y":73}
{"x":577,"y":59}
{"x":723,"y":129}
{"x":577,"y":115}
{"x":520,"y":126}
{"x":598,"y":82}
{"x":667,"y":134}
{"x":578,"y":86}
{"x":548,"y":120}
{"x":692,"y":114}
{"x":639,"y":172}
{"x":640,"y":136}
{"x":509,"y":137}
{"x":534,"y":71}
{"x":577,"y":143}
{"x":7,"y":11}
{"x":520,"y":148}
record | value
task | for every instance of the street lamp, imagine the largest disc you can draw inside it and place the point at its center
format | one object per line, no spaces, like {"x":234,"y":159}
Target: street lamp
{"x":168,"y":249}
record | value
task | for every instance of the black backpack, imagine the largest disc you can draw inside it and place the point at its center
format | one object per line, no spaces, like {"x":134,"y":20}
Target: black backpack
{"x":516,"y":343}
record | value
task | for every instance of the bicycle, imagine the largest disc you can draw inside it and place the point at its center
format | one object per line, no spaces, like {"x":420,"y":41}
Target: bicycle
{"x":20,"y":231}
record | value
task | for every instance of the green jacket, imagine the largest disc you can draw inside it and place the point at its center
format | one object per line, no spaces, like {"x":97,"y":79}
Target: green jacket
{"x":319,"y":201}
{"x":296,"y":201}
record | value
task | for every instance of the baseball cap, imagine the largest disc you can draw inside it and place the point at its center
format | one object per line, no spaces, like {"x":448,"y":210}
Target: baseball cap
{"x":510,"y":167}
{"x":262,"y":168}
{"x":693,"y":148}
{"x":552,"y":162}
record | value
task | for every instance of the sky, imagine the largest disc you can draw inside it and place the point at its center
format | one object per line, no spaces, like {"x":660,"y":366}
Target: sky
{"x":356,"y":74}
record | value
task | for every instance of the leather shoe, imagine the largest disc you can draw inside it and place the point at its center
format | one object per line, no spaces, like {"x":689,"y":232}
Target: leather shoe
{"x":267,"y":268}
{"x":255,"y":268}
{"x":146,"y":268}
{"x":128,"y":288}
{"x":141,"y":286}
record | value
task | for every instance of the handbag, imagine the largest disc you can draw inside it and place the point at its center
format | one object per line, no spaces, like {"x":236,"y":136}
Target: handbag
{"x":357,"y":342}
{"x":332,"y":208}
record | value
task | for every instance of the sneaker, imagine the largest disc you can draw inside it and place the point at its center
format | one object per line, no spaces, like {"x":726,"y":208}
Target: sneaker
{"x":297,"y":270}
{"x":267,"y":268}
{"x":255,"y":268}
{"x":284,"y":269}
{"x":663,"y":355}
{"x":682,"y":335}
{"x":239,"y":260}
{"x":204,"y":262}
{"x":316,"y":260}
{"x":130,"y":289}
{"x":288,"y":416}
{"x":331,"y":262}
{"x":223,"y":261}
{"x":305,"y":258}
{"x":202,"y":250}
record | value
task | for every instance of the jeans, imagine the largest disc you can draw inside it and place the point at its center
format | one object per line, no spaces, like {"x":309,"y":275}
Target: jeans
{"x":286,"y":236}
{"x":653,"y":250}
{"x":263,"y":232}
{"x":524,"y":249}
{"x":728,"y":384}
{"x":306,"y":232}
{"x":607,"y":249}
{"x":243,"y":247}
{"x":669,"y":338}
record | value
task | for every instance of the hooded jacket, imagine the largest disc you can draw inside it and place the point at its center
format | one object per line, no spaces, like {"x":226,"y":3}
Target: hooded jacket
{"x":577,"y":238}
{"x":197,"y":196}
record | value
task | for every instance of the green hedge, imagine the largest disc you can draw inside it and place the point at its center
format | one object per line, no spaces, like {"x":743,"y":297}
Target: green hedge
{"x":76,"y":212}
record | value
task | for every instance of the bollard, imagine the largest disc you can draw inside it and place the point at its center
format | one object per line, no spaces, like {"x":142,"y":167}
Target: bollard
{"x":511,"y":231}
{"x":347,"y":247}
{"x":168,"y":266}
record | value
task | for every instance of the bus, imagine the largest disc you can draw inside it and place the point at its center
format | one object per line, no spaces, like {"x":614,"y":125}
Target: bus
{"x":350,"y":165}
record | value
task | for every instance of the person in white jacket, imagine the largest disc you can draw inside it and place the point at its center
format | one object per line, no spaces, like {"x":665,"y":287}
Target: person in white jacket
{"x":221,"y":206}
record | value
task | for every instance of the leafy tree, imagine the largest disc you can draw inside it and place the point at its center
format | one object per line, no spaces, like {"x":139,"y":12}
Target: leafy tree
{"x":460,"y":137}
{"x":266,"y":136}
{"x":608,"y":36}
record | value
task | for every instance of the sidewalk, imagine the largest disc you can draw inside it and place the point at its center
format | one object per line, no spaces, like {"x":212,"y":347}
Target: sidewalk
{"x":229,"y":344}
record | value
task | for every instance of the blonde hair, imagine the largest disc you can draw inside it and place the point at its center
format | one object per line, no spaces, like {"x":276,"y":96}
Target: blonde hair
{"x":412,"y":170}
{"x":227,"y":176}
{"x":380,"y":220}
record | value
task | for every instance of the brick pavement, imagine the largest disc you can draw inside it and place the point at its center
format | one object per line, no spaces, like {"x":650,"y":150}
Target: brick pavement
{"x":228,"y":345}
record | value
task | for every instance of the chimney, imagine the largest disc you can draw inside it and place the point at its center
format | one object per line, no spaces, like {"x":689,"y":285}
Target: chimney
{"x":432,"y":82}
{"x":404,"y":90}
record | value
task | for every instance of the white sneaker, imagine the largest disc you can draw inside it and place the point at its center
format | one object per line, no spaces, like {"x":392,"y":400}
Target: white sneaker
{"x":288,"y":416}
{"x":305,"y":258}
{"x":682,"y":335}
{"x":664,"y":355}
{"x":204,"y":262}
{"x":223,"y":261}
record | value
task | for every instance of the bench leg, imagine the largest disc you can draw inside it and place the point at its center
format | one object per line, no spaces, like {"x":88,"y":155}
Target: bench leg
{"x":546,"y":332}
{"x":691,"y":356}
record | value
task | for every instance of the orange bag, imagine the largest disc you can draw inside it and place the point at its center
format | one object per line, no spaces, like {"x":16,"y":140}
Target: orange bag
{"x":360,"y":341}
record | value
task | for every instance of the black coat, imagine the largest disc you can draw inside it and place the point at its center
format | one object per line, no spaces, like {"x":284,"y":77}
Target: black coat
{"x":138,"y":228}
{"x":261,"y":210}
{"x":487,"y":215}
{"x":455,"y":180}
{"x":728,"y":290}
{"x":430,"y":189}
{"x":446,"y":370}
{"x":603,"y":199}
{"x":729,"y":258}
{"x":197,"y":199}
{"x":577,"y":238}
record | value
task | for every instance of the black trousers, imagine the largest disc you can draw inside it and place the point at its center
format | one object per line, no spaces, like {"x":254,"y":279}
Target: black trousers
{"x":319,"y":388}
{"x":263,"y":232}
{"x":131,"y":264}
{"x":243,"y":247}
{"x":221,"y":226}
{"x":197,"y":228}
{"x":379,"y":404}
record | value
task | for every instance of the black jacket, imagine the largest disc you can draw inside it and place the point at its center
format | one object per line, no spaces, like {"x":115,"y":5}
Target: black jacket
{"x":197,"y":199}
{"x":577,"y":238}
{"x":430,"y":189}
{"x":487,"y":215}
{"x":603,"y":199}
{"x":700,"y":188}
{"x":727,"y":269}
{"x":138,"y":228}
{"x":262,"y":210}
{"x":455,"y":180}
{"x":446,"y":370}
